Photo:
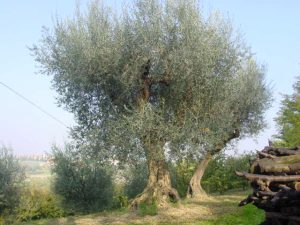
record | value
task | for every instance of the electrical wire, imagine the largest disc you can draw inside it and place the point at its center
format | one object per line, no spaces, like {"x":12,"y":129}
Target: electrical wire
{"x":33,"y":104}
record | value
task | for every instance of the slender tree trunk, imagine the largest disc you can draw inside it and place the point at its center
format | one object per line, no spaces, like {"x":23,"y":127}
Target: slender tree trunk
{"x":159,"y":186}
{"x":195,"y":189}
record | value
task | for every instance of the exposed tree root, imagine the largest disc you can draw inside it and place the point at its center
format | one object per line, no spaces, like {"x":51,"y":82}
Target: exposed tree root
{"x":162,"y":196}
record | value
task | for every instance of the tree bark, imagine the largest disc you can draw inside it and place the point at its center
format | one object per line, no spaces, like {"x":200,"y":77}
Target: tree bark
{"x":159,"y":188}
{"x":195,"y":189}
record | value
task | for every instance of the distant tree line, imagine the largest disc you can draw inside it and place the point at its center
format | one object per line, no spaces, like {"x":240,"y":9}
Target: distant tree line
{"x":33,"y":157}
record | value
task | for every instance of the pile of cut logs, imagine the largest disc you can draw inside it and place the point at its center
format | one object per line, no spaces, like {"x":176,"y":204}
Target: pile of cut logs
{"x":275,"y":178}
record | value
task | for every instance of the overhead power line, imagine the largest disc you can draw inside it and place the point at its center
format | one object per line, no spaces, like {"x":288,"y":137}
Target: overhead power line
{"x":33,"y":104}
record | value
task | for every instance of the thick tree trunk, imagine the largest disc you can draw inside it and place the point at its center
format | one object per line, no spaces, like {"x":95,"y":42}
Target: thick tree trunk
{"x":195,"y":189}
{"x":159,"y":188}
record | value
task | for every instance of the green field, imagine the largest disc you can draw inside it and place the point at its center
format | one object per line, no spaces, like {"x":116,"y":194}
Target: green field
{"x":37,"y":173}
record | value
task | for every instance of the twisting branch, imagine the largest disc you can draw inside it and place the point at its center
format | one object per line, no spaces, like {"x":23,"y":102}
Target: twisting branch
{"x":147,"y":82}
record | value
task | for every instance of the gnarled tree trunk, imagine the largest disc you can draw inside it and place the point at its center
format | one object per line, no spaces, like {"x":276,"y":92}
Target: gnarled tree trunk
{"x":195,"y":189}
{"x":159,"y":186}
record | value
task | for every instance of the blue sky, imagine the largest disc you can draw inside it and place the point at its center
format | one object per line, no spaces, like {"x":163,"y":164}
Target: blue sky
{"x":270,"y":27}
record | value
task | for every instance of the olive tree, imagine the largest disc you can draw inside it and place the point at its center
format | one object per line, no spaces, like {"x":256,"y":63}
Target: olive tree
{"x":160,"y":80}
{"x":11,"y":180}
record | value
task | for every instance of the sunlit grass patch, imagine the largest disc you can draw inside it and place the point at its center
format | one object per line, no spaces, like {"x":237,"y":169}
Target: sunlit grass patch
{"x":248,"y":215}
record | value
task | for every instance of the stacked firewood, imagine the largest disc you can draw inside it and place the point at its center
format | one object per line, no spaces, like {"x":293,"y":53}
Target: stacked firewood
{"x":275,"y":178}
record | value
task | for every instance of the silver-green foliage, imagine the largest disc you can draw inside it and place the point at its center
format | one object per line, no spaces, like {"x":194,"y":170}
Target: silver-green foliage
{"x":82,"y":182}
{"x":11,"y":180}
{"x":204,"y":82}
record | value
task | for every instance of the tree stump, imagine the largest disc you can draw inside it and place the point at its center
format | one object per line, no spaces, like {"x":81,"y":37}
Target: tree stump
{"x":275,"y":179}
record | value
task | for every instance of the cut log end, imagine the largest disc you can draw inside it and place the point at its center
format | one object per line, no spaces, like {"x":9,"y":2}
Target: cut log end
{"x":275,"y":181}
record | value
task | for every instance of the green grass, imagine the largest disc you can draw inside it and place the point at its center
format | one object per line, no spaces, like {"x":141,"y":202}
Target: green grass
{"x":247,"y":215}
{"x":150,"y":210}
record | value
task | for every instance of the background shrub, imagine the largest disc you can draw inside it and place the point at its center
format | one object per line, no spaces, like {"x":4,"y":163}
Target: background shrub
{"x":218,"y":177}
{"x":84,"y":183}
{"x":181,"y":173}
{"x":220,"y":174}
{"x":11,"y":180}
{"x":136,"y":179}
{"x":120,"y":199}
{"x":37,"y":204}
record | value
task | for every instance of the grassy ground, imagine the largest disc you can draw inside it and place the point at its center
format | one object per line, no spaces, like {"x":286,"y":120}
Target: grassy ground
{"x":218,"y":210}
